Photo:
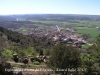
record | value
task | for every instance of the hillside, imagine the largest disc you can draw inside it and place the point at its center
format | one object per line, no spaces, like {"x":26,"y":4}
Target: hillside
{"x":8,"y":37}
{"x":13,"y":42}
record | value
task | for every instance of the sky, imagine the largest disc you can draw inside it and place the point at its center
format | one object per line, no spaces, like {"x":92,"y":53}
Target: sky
{"x":88,"y":7}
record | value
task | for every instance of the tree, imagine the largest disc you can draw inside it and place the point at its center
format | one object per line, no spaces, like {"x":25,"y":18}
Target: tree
{"x":94,"y":52}
{"x":64,"y":57}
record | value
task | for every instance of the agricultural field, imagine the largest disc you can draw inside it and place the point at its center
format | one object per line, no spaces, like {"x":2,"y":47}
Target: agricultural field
{"x":83,"y":24}
{"x":82,"y":27}
{"x":23,"y":29}
{"x":92,"y":32}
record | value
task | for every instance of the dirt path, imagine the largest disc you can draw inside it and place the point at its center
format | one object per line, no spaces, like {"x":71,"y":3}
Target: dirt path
{"x":29,"y":71}
{"x":11,"y":62}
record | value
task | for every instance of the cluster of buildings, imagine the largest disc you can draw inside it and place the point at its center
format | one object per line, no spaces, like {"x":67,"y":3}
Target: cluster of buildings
{"x":62,"y":35}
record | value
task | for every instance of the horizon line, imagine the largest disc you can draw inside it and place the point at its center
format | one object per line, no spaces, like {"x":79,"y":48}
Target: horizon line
{"x":47,"y":14}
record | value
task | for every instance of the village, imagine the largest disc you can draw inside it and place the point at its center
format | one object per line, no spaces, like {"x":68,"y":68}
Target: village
{"x":60,"y":35}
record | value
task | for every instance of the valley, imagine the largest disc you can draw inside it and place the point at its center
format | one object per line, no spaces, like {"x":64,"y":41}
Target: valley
{"x":35,"y":41}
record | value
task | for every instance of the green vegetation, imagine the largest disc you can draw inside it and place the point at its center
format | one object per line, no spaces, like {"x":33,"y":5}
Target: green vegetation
{"x":23,"y":29}
{"x":60,"y":55}
{"x":93,"y":64}
{"x":64,"y":57}
{"x":85,"y":46}
{"x":30,"y":51}
{"x":13,"y":42}
{"x":92,"y":32}
{"x":36,"y":63}
{"x":16,"y":43}
{"x":46,"y":22}
{"x":82,"y":26}
{"x":85,"y":24}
